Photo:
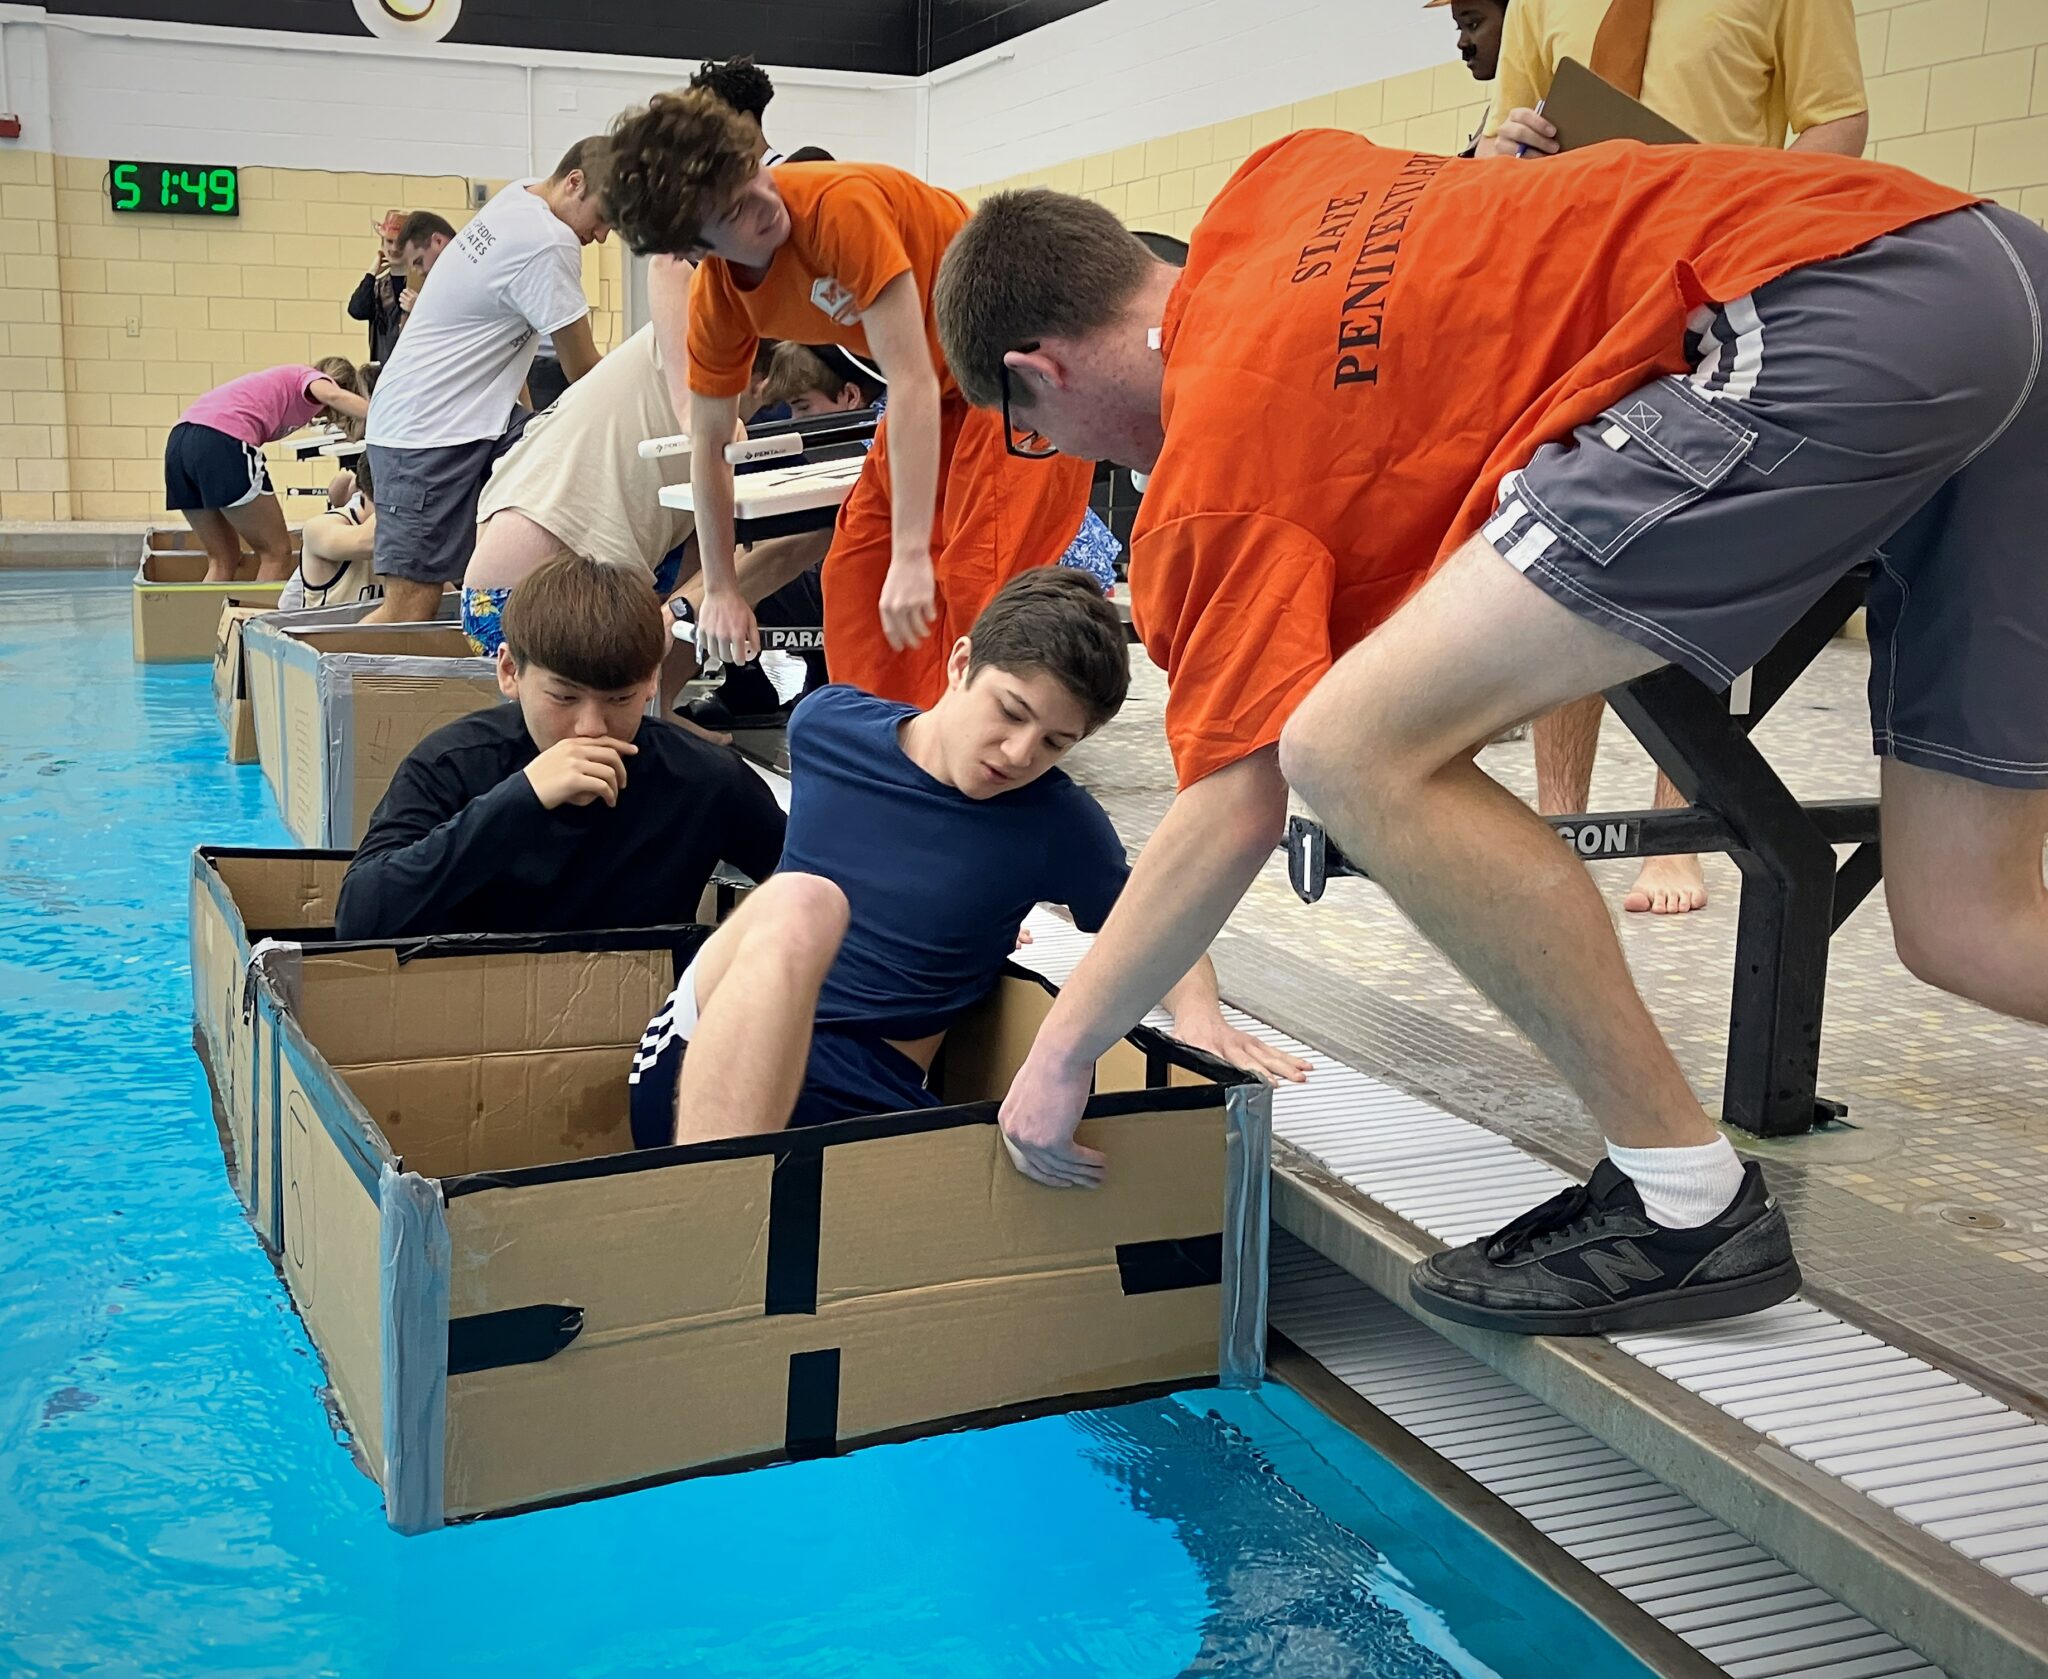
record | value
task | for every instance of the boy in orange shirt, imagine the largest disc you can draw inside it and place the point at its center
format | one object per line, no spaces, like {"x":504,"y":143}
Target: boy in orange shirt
{"x":837,"y":253}
{"x":1436,"y":446}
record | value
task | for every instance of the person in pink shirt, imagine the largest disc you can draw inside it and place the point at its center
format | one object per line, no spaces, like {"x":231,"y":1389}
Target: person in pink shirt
{"x":214,"y":471}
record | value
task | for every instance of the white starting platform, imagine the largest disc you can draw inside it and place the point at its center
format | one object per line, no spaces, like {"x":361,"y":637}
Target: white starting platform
{"x":782,"y":500}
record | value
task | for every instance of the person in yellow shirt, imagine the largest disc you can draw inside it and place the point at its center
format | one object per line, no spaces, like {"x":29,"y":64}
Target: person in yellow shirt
{"x":1728,"y":72}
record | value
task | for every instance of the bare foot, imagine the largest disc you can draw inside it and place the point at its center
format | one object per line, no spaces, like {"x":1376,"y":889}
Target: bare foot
{"x":1668,"y":886}
{"x":700,"y":731}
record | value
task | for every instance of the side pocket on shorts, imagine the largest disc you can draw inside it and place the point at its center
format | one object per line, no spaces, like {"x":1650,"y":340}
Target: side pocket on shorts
{"x":1656,"y":451}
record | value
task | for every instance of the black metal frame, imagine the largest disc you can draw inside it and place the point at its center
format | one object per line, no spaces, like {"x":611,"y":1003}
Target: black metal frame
{"x":1794,"y":897}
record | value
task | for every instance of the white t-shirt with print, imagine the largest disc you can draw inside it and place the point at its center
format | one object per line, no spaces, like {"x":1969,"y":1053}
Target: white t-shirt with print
{"x":514,"y":273}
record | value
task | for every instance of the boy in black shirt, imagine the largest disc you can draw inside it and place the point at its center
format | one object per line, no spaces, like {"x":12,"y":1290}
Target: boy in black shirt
{"x":569,"y":810}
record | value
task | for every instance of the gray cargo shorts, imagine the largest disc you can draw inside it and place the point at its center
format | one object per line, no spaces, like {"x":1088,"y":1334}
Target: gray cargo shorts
{"x":1887,"y":405}
{"x":426,"y":504}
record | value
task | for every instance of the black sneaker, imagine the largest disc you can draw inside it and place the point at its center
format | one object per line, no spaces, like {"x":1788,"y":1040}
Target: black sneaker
{"x":1589,"y":1261}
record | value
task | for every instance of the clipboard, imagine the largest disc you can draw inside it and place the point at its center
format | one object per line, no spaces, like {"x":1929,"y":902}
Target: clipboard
{"x":1586,"y":110}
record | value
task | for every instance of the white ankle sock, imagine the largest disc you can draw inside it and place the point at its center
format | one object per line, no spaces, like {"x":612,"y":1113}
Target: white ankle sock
{"x":1682,"y":1188}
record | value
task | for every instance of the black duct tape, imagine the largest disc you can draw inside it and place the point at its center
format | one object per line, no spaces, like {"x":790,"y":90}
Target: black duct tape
{"x":1179,"y":1262}
{"x":812,"y":1425}
{"x":1157,"y":1068}
{"x":518,"y":1335}
{"x":795,"y":1206}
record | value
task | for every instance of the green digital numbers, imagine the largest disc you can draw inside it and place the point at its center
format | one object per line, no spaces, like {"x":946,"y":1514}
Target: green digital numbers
{"x":174,"y":189}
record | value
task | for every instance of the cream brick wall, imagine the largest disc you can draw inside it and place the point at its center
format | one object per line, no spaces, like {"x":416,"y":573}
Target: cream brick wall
{"x":1958,"y":91}
{"x":110,"y":325}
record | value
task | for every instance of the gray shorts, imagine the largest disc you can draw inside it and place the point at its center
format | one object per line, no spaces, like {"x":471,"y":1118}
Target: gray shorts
{"x":426,"y":504}
{"x":1888,"y":405}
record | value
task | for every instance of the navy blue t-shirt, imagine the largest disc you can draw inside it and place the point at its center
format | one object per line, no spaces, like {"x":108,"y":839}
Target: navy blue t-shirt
{"x":936,"y":883}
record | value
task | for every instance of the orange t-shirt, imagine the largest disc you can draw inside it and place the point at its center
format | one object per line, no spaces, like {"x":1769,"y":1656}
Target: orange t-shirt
{"x":1366,"y":341}
{"x":853,"y":227}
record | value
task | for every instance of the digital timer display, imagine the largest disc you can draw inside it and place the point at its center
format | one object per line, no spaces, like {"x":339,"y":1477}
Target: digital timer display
{"x":173,"y":189}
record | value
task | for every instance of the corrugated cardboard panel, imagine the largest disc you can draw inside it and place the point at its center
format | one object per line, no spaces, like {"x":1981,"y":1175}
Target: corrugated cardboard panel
{"x":331,"y":1246}
{"x":302,"y":778}
{"x":283,"y":894}
{"x":917,"y":1358}
{"x":217,"y":967}
{"x":230,"y":690}
{"x":938,"y":1208}
{"x":176,"y":613}
{"x":388,"y":716}
{"x":486,"y":1113}
{"x":650,"y":1252}
{"x":364,"y":1007}
{"x":262,"y":647}
{"x":412,"y":641}
{"x":608,"y":1413}
{"x":985,"y":1047}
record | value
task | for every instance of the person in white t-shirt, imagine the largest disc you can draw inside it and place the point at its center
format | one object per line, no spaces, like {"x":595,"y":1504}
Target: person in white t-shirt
{"x":446,"y":405}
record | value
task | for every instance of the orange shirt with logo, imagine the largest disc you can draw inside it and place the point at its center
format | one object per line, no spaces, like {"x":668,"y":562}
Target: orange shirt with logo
{"x":1366,"y":341}
{"x":853,"y":227}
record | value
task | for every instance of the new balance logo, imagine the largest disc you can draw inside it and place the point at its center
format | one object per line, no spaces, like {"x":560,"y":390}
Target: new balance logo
{"x":1614,"y":1270}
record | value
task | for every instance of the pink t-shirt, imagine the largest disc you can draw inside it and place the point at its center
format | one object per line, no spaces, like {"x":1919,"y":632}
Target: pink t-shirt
{"x":258,"y":408}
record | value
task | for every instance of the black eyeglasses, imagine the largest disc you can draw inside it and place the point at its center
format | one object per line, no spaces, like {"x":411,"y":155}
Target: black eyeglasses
{"x":1021,"y":441}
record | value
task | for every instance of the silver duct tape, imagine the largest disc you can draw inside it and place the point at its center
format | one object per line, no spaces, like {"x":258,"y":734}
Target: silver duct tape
{"x":336,"y":674}
{"x":413,"y":1275}
{"x":1248,"y":1149}
{"x":283,"y":964}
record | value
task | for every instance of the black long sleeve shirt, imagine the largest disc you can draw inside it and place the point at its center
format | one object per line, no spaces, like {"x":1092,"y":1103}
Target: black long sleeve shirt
{"x":460,"y":842}
{"x":376,"y":302}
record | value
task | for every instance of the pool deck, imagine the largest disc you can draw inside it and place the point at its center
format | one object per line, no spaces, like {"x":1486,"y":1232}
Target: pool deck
{"x":1884,"y":1434}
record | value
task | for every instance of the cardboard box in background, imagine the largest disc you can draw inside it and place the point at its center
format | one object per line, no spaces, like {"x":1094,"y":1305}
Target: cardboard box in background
{"x":517,"y":1309}
{"x":230,"y":689}
{"x":337,"y":706}
{"x":175,"y":614}
{"x":240,"y":897}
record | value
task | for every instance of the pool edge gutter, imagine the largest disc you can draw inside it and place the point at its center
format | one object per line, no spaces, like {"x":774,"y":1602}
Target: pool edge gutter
{"x":1958,"y":1615}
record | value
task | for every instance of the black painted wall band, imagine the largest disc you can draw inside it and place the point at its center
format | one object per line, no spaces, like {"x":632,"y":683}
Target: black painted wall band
{"x":811,"y":1425}
{"x":795,"y":1206}
{"x":517,"y":1335}
{"x":1183,"y":1262}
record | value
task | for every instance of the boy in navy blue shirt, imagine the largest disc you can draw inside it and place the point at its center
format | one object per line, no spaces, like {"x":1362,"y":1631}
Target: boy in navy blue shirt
{"x":918,"y":841}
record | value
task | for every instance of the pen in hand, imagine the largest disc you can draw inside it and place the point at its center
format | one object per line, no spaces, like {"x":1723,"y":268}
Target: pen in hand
{"x":1522,"y":150}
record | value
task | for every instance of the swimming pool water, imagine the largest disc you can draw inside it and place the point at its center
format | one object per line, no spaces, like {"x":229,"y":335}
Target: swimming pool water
{"x":173,"y":1502}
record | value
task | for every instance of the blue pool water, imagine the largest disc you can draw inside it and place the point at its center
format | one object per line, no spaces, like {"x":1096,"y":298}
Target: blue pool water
{"x":172,"y":1501}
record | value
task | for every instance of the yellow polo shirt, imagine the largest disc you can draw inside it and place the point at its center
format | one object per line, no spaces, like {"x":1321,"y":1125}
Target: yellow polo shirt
{"x":1728,"y":72}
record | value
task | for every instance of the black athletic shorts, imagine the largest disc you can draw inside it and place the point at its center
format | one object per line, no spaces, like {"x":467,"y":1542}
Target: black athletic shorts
{"x":207,"y":468}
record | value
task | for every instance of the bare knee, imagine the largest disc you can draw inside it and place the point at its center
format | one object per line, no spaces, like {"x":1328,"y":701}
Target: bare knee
{"x":804,"y":915}
{"x":1946,"y":950}
{"x":1329,"y":750}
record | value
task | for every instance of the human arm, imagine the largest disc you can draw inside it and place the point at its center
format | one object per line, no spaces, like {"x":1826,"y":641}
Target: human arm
{"x":362,"y":302}
{"x":1844,"y":136}
{"x":668,"y":308}
{"x":338,"y":541}
{"x":896,"y":332}
{"x":1200,"y":862}
{"x":1196,"y":1005}
{"x":431,"y":848}
{"x":755,"y":825}
{"x":725,"y":623}
{"x":576,"y":349}
{"x":1821,"y":68}
{"x":329,"y":395}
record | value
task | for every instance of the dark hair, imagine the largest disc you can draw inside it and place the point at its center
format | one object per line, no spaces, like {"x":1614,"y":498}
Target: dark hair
{"x":365,"y":479}
{"x":421,"y":226}
{"x":1056,"y":620}
{"x":810,"y":154}
{"x":592,"y":154}
{"x":798,"y":368}
{"x":740,"y":82}
{"x":1028,"y":266}
{"x":677,"y":163}
{"x":592,"y":623}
